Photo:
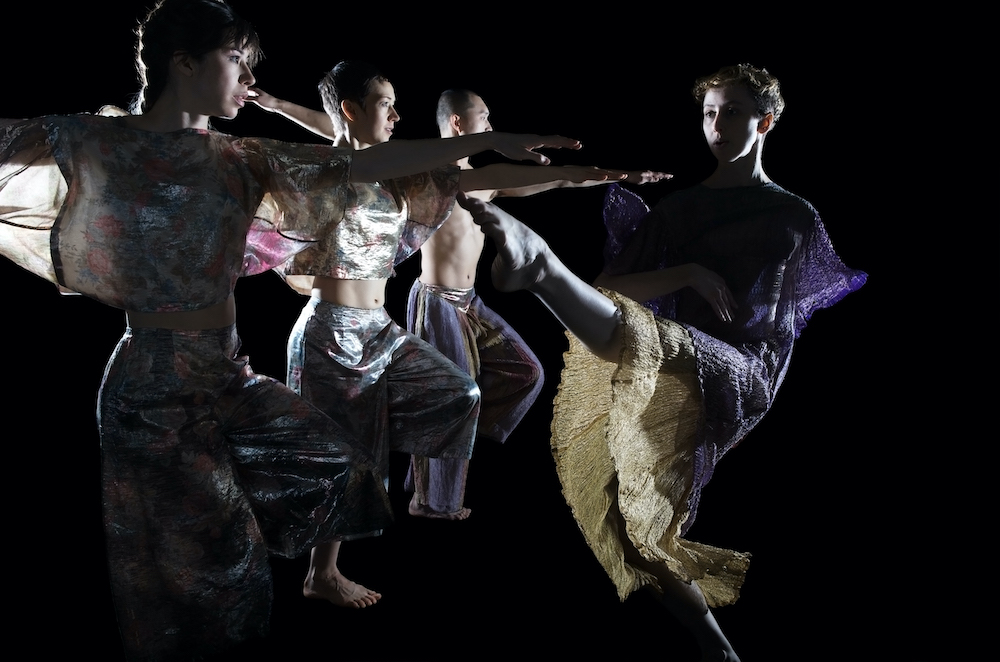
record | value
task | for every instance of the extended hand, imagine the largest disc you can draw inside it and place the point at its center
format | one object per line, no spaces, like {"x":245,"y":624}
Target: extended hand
{"x":645,"y":176}
{"x":522,"y":146}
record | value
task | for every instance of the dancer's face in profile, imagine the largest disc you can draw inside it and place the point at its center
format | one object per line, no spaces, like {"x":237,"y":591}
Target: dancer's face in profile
{"x":220,"y":81}
{"x":731,"y":122}
{"x":375,"y":123}
{"x":477,"y":118}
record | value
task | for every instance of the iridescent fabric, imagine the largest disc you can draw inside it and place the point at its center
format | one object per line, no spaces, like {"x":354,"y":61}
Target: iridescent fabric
{"x":459,"y":325}
{"x":382,"y":224}
{"x":774,"y":254}
{"x":364,"y":368}
{"x":206,"y":466}
{"x":157,"y":222}
{"x":392,"y":390}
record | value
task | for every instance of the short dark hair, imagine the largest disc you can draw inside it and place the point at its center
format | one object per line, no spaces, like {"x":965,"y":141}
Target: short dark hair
{"x":350,"y":80}
{"x":453,"y":102}
{"x":195,"y":27}
{"x":762,"y":86}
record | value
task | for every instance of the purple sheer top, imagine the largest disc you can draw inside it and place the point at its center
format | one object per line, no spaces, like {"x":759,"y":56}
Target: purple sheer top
{"x":771,"y":248}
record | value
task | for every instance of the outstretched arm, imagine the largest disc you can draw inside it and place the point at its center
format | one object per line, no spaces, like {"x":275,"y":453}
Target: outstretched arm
{"x":507,"y":176}
{"x":651,"y":284}
{"x":315,"y":121}
{"x":398,"y":158}
{"x":578,"y":177}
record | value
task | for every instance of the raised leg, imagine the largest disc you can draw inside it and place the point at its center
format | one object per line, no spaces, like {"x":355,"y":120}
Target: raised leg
{"x":686,"y":603}
{"x":525,"y":261}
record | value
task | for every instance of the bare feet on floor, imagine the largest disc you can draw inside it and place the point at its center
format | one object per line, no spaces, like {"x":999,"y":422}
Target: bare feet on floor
{"x":419,"y":510}
{"x":521,"y":254}
{"x":339,"y":590}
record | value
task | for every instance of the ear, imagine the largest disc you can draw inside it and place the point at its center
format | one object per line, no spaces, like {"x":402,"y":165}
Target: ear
{"x":765,"y":123}
{"x":455,"y":122}
{"x":350,"y":109}
{"x":184,"y":64}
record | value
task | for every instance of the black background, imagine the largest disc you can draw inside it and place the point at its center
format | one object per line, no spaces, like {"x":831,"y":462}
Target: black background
{"x":847,"y":495}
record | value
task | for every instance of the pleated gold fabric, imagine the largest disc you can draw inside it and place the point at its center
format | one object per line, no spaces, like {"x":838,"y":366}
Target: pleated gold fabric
{"x":624,"y":438}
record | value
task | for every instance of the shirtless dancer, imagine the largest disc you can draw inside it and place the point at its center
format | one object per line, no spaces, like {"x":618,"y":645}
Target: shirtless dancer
{"x":444,"y":310}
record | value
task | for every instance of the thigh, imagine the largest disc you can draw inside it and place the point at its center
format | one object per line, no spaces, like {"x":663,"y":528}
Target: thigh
{"x":307,"y":478}
{"x":433,"y":405}
{"x":510,"y":375}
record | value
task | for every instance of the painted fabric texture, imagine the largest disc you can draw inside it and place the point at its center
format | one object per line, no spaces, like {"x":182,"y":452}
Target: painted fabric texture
{"x":459,"y":325}
{"x":158,"y":222}
{"x":207,"y":467}
{"x":689,"y":387}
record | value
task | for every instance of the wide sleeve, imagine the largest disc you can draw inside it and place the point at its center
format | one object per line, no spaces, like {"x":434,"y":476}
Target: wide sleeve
{"x":430,"y":197}
{"x":305,"y":187}
{"x":623,"y":212}
{"x":822,"y":279}
{"x":32,"y":192}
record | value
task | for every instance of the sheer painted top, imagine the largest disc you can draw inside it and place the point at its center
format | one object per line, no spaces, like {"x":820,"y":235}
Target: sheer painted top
{"x":158,"y":222}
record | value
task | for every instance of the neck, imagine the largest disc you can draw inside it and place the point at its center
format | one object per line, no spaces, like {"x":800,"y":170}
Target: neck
{"x":167,"y":114}
{"x":745,"y":171}
{"x":462,"y":163}
{"x":348,"y":139}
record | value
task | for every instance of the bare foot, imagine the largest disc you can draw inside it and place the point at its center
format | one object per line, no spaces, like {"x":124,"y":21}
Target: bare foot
{"x":521,"y":254}
{"x":339,"y":590}
{"x":420,"y":510}
{"x":719,"y":655}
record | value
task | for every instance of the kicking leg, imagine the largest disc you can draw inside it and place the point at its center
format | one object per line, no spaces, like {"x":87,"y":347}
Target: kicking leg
{"x":525,"y":261}
{"x":686,"y":602}
{"x":325,"y":582}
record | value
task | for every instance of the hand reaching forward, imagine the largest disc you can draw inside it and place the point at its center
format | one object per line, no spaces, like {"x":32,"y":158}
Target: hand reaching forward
{"x":645,"y":176}
{"x":263,"y":99}
{"x":521,"y":147}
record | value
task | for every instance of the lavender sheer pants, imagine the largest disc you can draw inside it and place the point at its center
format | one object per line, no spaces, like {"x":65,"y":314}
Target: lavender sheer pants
{"x":482,"y":344}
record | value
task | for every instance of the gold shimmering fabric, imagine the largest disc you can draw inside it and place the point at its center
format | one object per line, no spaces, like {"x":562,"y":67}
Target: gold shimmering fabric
{"x":157,"y":222}
{"x":629,"y":454}
{"x":381,"y":225}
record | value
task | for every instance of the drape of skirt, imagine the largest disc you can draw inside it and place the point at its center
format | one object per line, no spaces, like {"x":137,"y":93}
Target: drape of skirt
{"x":624,"y":439}
{"x":207,"y":468}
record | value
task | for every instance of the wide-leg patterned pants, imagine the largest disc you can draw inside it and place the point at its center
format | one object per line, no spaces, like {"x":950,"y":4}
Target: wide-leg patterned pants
{"x":207,"y":467}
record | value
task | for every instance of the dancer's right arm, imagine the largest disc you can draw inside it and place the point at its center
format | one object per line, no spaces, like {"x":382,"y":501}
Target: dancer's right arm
{"x":398,"y":158}
{"x":648,"y":285}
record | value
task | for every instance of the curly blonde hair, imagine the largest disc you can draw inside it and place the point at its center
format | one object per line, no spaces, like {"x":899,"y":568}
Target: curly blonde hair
{"x":762,"y":86}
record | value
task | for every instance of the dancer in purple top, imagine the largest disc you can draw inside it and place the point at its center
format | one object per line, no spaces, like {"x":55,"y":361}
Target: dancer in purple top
{"x":650,"y":401}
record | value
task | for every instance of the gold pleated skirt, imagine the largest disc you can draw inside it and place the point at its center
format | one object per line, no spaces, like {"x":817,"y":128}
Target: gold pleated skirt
{"x":624,"y":438}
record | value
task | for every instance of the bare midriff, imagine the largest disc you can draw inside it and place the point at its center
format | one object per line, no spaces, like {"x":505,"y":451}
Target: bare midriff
{"x":219,"y":316}
{"x":367,"y":294}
